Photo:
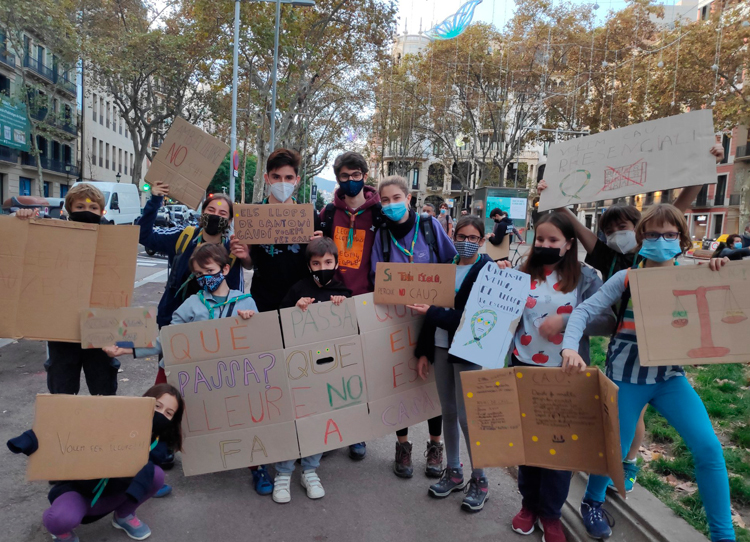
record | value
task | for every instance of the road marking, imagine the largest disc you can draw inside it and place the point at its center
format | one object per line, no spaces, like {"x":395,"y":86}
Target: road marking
{"x":156,"y":277}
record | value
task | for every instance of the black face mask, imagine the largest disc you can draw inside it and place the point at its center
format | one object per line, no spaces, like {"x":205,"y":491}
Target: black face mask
{"x":545,"y":256}
{"x":161,"y":425}
{"x":87,"y":217}
{"x":214,"y":224}
{"x":323,"y":276}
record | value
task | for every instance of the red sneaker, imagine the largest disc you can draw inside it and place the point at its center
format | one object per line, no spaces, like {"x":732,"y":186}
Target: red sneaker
{"x":553,"y":531}
{"x":524,"y":521}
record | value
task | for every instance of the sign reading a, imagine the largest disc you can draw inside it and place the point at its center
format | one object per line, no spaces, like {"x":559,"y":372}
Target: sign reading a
{"x":127,"y":327}
{"x":274,"y":224}
{"x":409,"y":283}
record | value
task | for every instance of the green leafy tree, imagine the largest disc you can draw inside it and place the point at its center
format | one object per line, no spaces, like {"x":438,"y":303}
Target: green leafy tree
{"x":220,"y":181}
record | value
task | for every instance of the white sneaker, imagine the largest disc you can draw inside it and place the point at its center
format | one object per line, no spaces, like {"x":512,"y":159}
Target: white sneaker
{"x":311,"y":482}
{"x":281,"y":490}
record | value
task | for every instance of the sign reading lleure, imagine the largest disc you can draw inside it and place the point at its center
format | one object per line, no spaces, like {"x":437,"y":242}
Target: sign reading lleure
{"x":14,"y":125}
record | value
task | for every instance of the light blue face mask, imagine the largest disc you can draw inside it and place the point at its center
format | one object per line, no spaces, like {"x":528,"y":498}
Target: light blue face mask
{"x":395,"y":211}
{"x":660,"y":250}
{"x":738,"y":245}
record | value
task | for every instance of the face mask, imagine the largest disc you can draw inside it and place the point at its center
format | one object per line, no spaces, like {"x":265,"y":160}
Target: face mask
{"x":546,"y":256}
{"x":352,"y":188}
{"x":214,"y":224}
{"x":160,"y":425}
{"x":395,"y":211}
{"x":211,"y":283}
{"x":622,"y":241}
{"x":738,"y":245}
{"x":660,"y":250}
{"x":87,"y":217}
{"x":282,"y":191}
{"x":466,"y":249}
{"x":443,"y":211}
{"x":323,"y":276}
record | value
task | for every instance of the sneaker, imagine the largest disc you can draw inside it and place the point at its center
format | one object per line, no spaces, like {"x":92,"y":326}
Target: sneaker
{"x":402,"y":464}
{"x":476,"y":494}
{"x":133,"y":527}
{"x":165,"y":490}
{"x":67,"y":537}
{"x":552,"y":529}
{"x":358,"y":451}
{"x":596,"y":519}
{"x":281,"y":490}
{"x":451,"y":480}
{"x":524,"y":522}
{"x":434,"y":455}
{"x":311,"y":482}
{"x":630,"y":469}
{"x":262,"y":481}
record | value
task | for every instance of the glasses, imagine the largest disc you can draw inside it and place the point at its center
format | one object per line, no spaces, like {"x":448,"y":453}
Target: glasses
{"x":668,"y":236}
{"x":356,"y":176}
{"x":469,"y":238}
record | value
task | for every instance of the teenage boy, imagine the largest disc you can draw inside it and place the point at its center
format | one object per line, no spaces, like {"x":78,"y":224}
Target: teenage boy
{"x":503,"y":226}
{"x":445,"y":219}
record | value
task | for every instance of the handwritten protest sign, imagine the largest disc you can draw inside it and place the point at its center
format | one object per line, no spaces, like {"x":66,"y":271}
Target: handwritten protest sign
{"x":542,"y":417}
{"x":690,"y":315}
{"x":320,"y":322}
{"x":187,"y":161}
{"x":656,"y":155}
{"x":409,"y":283}
{"x":64,"y":267}
{"x":274,"y":224}
{"x":500,"y":251}
{"x":492,"y":312}
{"x":128,"y":327}
{"x":85,"y":438}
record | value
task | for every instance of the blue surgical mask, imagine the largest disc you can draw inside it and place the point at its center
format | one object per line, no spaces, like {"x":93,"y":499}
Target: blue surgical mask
{"x":395,"y":211}
{"x":211,"y":283}
{"x":660,"y":250}
{"x":738,"y":245}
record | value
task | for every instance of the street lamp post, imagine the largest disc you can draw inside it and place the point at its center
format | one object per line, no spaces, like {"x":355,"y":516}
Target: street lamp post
{"x":118,"y":176}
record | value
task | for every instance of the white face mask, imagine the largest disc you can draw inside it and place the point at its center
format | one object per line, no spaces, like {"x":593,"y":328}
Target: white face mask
{"x":282,"y":191}
{"x":622,"y":241}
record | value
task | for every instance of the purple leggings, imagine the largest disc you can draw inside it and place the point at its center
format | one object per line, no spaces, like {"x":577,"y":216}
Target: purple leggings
{"x":69,"y":509}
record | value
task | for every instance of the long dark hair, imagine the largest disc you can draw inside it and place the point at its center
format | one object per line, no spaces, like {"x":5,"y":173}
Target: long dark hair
{"x":568,"y":268}
{"x":173,"y":438}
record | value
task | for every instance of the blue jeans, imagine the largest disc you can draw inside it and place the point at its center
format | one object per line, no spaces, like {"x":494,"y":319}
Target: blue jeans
{"x":310,"y":462}
{"x":677,"y":401}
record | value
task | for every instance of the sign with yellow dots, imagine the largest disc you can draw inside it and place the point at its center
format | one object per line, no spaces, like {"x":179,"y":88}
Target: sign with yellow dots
{"x":542,"y":417}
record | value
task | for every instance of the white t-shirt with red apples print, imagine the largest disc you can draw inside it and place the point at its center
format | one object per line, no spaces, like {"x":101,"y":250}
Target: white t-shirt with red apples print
{"x":544,"y":300}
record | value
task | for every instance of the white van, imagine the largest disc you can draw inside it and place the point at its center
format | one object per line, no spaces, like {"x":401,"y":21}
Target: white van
{"x":122,"y":202}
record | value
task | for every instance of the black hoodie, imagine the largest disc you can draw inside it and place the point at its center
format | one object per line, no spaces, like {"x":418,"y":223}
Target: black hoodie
{"x":308,"y":288}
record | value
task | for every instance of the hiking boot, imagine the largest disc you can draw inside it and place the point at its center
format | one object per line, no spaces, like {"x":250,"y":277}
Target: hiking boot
{"x":66,"y":537}
{"x":630,"y":469}
{"x":133,"y":527}
{"x":402,"y":464}
{"x":523,"y":522}
{"x":434,"y":455}
{"x":596,"y":519}
{"x":552,"y":529}
{"x":451,"y":480}
{"x":358,"y":451}
{"x":311,"y":482}
{"x":281,"y":491}
{"x":262,"y":481}
{"x":476,"y":494}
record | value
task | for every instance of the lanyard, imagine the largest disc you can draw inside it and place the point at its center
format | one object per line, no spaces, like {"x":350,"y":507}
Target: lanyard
{"x":352,"y":218}
{"x":410,"y":254}
{"x":614,"y":261}
{"x":211,"y":309}
{"x":99,"y":489}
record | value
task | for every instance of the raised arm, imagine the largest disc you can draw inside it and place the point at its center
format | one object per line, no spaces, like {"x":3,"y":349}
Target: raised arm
{"x":689,"y":193}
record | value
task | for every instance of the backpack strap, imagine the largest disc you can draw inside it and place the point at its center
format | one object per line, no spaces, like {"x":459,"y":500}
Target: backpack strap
{"x":429,"y":236}
{"x":185,"y":237}
{"x":327,"y":224}
{"x":385,"y":244}
{"x":624,"y":300}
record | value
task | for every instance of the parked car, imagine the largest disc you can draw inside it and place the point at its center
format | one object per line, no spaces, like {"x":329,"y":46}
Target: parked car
{"x":122,"y":203}
{"x":11,"y":205}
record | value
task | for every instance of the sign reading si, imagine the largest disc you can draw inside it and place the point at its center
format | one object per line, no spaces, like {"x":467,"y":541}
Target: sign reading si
{"x":409,"y":283}
{"x":274,"y":224}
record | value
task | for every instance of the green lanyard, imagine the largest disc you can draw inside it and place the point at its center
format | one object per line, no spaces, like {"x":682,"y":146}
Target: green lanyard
{"x":614,"y":261}
{"x":99,"y":489}
{"x":211,"y":309}
{"x":413,"y":242}
{"x":352,"y":218}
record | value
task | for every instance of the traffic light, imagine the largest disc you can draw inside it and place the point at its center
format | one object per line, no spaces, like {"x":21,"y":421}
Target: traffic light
{"x":146,"y":187}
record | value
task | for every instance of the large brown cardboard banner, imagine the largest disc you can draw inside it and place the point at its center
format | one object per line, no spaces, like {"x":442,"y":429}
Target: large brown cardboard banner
{"x":274,"y":224}
{"x":85,"y":438}
{"x":333,"y":430}
{"x":128,"y":327}
{"x":410,"y":283}
{"x":542,"y":417}
{"x":371,"y":316}
{"x":690,"y":315}
{"x":114,"y":267}
{"x":500,"y":251}
{"x":187,"y":161}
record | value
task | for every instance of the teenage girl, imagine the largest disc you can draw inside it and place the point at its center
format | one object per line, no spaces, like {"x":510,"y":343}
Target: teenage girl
{"x":86,"y":501}
{"x":559,"y":283}
{"x":437,"y":332}
{"x":662,"y":235}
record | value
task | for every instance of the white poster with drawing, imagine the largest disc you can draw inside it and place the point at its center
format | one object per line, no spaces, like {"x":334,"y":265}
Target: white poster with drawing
{"x":491,"y":316}
{"x":656,"y":155}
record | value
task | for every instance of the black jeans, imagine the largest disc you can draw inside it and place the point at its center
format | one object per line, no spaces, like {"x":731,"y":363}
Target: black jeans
{"x":64,"y":369}
{"x":544,"y":490}
{"x":435,"y":425}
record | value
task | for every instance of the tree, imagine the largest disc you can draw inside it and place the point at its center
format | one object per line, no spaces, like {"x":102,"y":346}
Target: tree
{"x":319,"y":202}
{"x":220,"y":181}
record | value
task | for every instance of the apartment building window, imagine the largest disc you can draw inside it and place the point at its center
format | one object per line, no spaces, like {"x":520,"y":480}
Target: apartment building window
{"x":101,"y":112}
{"x":107,"y":156}
{"x":120,"y":122}
{"x":64,"y":190}
{"x":93,"y":106}
{"x":726,"y":142}
{"x":131,"y":163}
{"x":93,"y":150}
{"x":126,"y":163}
{"x":4,"y":85}
{"x":107,"y":125}
{"x":101,"y":153}
{"x":47,"y":189}
{"x":718,"y":225}
{"x":119,"y":161}
{"x":721,"y":190}
{"x":114,"y":118}
{"x":24,"y":186}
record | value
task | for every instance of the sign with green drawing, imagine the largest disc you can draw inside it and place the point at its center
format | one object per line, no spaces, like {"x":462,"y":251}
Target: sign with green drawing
{"x":14,"y":125}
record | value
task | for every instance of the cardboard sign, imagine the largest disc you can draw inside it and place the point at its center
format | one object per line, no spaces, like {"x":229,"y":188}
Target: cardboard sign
{"x":64,"y":267}
{"x":492,"y":312}
{"x":656,"y":155}
{"x":320,"y":322}
{"x":410,"y":283}
{"x":274,"y":224}
{"x":690,"y":315}
{"x":500,"y":251}
{"x":129,"y":327}
{"x":371,"y":316}
{"x":542,"y":417}
{"x":187,"y":161}
{"x":85,"y":438}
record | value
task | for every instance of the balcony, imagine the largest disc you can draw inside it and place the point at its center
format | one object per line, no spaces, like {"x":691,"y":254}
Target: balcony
{"x":743,"y":153}
{"x":50,"y":164}
{"x":734,"y":200}
{"x":8,"y":155}
{"x":701,"y":200}
{"x":39,"y":68}
{"x":67,"y":85}
{"x":7,"y":59}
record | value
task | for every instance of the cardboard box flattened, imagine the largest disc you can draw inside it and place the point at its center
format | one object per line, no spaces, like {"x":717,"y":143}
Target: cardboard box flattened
{"x":333,"y":430}
{"x":320,"y":322}
{"x":373,"y":317}
{"x":12,"y":254}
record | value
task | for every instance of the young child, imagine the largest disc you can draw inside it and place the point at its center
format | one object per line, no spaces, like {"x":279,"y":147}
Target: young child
{"x":435,"y":337}
{"x":408,"y":237}
{"x":662,"y":235}
{"x":559,"y":283}
{"x":86,"y":501}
